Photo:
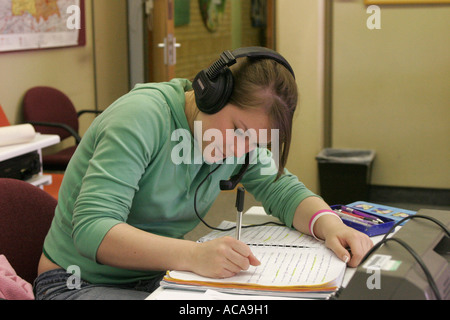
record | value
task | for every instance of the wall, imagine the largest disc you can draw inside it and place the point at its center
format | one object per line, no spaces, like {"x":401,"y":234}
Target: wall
{"x":300,"y":40}
{"x":391,"y":91}
{"x":97,"y":72}
{"x":390,"y":88}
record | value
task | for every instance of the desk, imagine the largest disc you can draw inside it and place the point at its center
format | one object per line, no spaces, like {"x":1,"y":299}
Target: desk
{"x":39,"y":142}
{"x":254,"y":215}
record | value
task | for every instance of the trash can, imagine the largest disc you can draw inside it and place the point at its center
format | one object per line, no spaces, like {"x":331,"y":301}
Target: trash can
{"x":344,"y":174}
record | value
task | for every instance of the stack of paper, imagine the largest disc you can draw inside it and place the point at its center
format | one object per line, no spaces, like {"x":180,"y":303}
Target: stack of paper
{"x":11,"y":135}
{"x":292,"y":265}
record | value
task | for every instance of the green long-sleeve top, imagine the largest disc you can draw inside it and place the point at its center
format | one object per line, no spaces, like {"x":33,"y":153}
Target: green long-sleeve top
{"x":123,"y":172}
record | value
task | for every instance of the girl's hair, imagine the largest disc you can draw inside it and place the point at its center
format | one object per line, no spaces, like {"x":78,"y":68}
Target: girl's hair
{"x":268,"y":84}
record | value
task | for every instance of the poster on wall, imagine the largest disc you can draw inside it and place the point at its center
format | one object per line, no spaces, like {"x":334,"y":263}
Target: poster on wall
{"x":259,"y":13}
{"x":182,"y":12}
{"x":41,"y":24}
{"x":212,"y":12}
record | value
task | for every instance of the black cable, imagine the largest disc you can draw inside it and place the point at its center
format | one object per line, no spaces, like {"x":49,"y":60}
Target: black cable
{"x":195,"y":200}
{"x":220,"y":229}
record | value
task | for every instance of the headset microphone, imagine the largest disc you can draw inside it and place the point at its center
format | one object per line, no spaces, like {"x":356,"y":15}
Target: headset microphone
{"x":229,"y":185}
{"x":234,"y":180}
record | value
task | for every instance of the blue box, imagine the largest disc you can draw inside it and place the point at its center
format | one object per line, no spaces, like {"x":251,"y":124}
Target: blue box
{"x":370,"y":230}
{"x":381,"y":210}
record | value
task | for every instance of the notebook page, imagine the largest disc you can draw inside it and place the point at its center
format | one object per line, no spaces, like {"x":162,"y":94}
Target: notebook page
{"x":266,"y":235}
{"x":283,"y":266}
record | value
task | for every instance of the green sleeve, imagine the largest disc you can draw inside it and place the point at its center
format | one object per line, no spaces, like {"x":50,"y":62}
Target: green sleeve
{"x":123,"y":143}
{"x":279,"y":198}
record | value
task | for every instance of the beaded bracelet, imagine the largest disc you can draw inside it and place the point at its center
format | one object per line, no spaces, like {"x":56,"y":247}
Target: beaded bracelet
{"x":316,"y":216}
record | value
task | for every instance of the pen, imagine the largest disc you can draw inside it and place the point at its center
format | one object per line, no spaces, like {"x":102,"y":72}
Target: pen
{"x":354,"y":215}
{"x":362,"y":214}
{"x":240,"y":207}
{"x":346,"y":217}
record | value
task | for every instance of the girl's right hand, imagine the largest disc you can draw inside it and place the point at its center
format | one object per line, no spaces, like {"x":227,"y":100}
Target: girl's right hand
{"x":222,"y":258}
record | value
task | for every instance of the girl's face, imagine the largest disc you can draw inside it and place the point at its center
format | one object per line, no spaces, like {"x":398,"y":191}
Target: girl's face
{"x":232,"y":132}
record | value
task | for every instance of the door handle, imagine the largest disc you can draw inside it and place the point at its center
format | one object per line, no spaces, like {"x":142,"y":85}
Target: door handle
{"x":170,"y":46}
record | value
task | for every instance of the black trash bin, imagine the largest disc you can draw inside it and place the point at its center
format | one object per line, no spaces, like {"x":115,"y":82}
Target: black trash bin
{"x":344,"y":174}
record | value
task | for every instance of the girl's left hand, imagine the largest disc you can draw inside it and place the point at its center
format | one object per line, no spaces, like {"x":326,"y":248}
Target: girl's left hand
{"x":342,"y":237}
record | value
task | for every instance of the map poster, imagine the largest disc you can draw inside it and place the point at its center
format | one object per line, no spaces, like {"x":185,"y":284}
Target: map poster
{"x":41,"y":24}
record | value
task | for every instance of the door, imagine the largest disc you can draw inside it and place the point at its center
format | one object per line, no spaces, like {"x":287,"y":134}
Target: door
{"x":161,"y":40}
{"x":162,"y":45}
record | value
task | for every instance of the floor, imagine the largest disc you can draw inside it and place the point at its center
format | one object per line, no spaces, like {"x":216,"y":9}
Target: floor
{"x":53,"y":188}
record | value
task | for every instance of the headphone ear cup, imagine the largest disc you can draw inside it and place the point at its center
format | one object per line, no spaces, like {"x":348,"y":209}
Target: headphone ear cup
{"x":212,"y":95}
{"x":227,"y":85}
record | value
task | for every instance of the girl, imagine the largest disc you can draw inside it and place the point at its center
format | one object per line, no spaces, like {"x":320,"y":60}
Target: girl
{"x":126,"y":201}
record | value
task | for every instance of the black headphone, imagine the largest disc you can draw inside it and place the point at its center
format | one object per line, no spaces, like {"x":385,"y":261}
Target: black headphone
{"x":213,"y":86}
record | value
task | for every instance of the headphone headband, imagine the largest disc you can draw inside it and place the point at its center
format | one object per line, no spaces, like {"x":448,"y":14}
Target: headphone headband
{"x":263,"y":53}
{"x":214,"y":85}
{"x":228,"y":58}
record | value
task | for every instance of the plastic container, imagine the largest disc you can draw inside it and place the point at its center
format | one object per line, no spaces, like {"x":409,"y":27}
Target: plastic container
{"x":370,"y":230}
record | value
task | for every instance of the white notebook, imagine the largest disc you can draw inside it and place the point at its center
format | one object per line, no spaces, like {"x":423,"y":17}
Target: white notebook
{"x":292,"y":264}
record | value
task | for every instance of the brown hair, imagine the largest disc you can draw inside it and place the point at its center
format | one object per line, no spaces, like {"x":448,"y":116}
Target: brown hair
{"x":266,"y":83}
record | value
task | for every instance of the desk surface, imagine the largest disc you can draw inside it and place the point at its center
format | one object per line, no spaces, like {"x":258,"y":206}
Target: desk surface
{"x":252,"y":216}
{"x":40,"y":141}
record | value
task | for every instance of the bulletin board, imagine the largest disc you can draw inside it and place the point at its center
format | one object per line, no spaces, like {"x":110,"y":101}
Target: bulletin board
{"x":38,"y":24}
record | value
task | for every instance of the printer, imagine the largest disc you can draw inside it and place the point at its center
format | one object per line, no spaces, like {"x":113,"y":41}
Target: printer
{"x":412,"y":264}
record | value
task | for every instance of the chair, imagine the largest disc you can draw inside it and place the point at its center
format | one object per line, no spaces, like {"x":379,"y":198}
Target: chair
{"x":50,"y":111}
{"x":4,"y":122}
{"x":25,"y":218}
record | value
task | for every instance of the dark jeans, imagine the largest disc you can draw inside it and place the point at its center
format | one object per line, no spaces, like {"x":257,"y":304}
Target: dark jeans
{"x":53,"y":285}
